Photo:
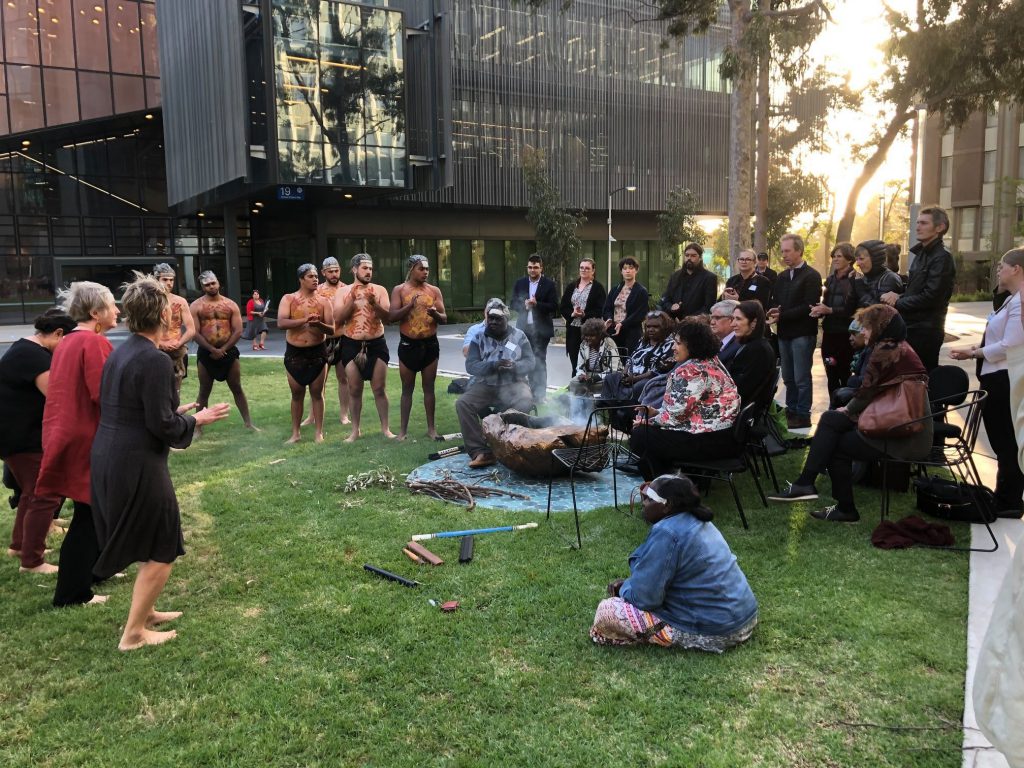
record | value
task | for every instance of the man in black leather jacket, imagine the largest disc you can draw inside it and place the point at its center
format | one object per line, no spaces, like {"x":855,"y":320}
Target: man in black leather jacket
{"x":924,"y":303}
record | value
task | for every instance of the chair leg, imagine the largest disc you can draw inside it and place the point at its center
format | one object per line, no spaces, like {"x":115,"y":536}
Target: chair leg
{"x":575,"y":510}
{"x":757,"y":482}
{"x":771,"y":470}
{"x":551,"y":480}
{"x":736,"y":497}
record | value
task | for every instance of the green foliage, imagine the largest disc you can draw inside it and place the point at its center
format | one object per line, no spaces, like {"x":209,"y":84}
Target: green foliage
{"x":555,"y":225}
{"x":289,"y":654}
{"x":677,"y":224}
{"x":791,"y":192}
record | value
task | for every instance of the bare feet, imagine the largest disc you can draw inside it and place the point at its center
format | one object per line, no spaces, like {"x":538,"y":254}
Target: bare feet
{"x":345,"y":421}
{"x":388,"y":434}
{"x":13,"y":552}
{"x":319,"y":437}
{"x":161,"y":617}
{"x":433,"y":435}
{"x":44,"y":568}
{"x":400,"y":436}
{"x":98,"y":599}
{"x":306,"y":421}
{"x":145,"y":637}
{"x":252,"y":427}
{"x":56,"y":530}
{"x":353,"y":437}
{"x":293,"y":439}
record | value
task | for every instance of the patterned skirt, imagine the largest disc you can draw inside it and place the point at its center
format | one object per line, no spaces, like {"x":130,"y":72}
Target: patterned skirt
{"x":617,"y":622}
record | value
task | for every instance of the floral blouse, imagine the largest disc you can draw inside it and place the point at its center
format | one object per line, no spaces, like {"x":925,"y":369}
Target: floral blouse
{"x":700,"y":396}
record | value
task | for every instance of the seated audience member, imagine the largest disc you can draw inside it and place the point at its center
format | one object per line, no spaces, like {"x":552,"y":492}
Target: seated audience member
{"x":861,"y":355}
{"x":685,"y":588}
{"x":653,"y":357}
{"x":625,"y":307}
{"x":498,"y":360}
{"x":837,"y":443}
{"x":721,"y":325}
{"x":599,"y":356}
{"x":697,"y":413}
{"x":753,"y":366}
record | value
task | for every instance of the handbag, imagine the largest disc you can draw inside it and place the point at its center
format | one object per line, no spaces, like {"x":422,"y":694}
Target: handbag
{"x":902,"y":400}
{"x":949,"y":500}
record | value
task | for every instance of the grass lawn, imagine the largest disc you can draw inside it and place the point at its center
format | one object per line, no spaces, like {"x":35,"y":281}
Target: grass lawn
{"x":289,"y":654}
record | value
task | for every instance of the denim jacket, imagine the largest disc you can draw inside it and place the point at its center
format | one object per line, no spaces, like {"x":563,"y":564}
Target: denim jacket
{"x":686,"y":575}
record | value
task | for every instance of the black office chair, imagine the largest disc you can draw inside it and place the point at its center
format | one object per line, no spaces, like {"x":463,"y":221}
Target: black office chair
{"x":724,"y":470}
{"x":953,"y":453}
{"x":947,"y":387}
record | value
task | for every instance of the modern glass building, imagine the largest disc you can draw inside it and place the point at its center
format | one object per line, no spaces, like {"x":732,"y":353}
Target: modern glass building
{"x":283,"y":131}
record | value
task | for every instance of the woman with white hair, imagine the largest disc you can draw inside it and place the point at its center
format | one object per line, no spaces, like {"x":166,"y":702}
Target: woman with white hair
{"x":70,"y":417}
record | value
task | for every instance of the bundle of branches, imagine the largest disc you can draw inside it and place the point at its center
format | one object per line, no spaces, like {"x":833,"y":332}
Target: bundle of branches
{"x":447,"y":488}
{"x":382,"y":476}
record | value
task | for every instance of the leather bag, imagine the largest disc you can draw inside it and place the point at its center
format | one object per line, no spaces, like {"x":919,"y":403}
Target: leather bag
{"x":902,"y":400}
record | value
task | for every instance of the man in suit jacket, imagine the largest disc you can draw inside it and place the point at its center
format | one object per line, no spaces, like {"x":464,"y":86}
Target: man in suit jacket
{"x":794,"y":292}
{"x":535,"y":298}
{"x":721,"y":326}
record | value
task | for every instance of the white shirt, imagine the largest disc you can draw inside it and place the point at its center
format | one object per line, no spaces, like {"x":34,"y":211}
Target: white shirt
{"x":1002,"y":332}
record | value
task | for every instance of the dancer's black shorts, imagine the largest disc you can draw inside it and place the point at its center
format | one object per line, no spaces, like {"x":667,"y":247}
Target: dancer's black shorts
{"x":376,"y":349}
{"x":305,"y":364}
{"x":417,"y":354}
{"x":218,"y":369}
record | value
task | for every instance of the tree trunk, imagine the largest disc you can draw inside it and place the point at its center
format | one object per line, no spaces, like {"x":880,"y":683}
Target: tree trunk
{"x":763,"y":139}
{"x":741,"y":108}
{"x":870,"y":166}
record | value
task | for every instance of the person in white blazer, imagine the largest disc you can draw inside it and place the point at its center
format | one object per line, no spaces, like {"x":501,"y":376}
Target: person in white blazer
{"x":1003,"y":333}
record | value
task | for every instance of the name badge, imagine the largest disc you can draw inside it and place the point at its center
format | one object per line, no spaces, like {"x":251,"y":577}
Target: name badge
{"x":752,"y":288}
{"x":510,"y":346}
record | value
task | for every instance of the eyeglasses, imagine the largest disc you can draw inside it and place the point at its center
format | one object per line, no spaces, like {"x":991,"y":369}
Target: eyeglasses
{"x":655,"y":313}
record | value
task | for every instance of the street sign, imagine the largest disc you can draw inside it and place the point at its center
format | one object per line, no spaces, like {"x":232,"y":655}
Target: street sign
{"x":287,"y":192}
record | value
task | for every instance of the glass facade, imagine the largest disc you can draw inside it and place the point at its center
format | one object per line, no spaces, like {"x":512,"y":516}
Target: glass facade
{"x":71,"y":60}
{"x":95,"y":208}
{"x":339,"y":83}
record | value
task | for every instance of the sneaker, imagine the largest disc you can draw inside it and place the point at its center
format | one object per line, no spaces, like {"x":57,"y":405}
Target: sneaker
{"x":794,"y":492}
{"x":834,"y":514}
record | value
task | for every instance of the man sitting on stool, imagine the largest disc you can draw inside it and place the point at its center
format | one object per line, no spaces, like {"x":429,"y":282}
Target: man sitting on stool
{"x":498,"y":360}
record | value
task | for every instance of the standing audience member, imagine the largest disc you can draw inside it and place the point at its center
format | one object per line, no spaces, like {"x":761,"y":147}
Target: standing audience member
{"x":219,"y":324}
{"x":137,"y":518}
{"x":748,"y":283}
{"x":892,"y":262}
{"x":180,"y":328}
{"x":499,"y":361}
{"x":361,"y":311}
{"x":24,"y":377}
{"x":307,"y":318}
{"x":924,"y":303}
{"x":764,"y":269}
{"x":685,"y":589}
{"x":878,"y":278}
{"x":1003,"y":332}
{"x":625,"y":307}
{"x":842,"y":292}
{"x":753,"y":366}
{"x":70,"y":418}
{"x":535,"y":300}
{"x":581,"y":301}
{"x":692,"y":289}
{"x":794,"y":293}
{"x":837,"y":442}
{"x":256,"y":321}
{"x":418,"y":307}
{"x":697,"y":412}
{"x":721,"y":326}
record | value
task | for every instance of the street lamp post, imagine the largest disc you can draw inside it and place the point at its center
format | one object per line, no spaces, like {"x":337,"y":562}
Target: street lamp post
{"x":627,"y":188}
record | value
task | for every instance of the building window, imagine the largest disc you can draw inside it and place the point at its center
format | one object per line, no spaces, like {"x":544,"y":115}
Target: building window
{"x":968,"y":223}
{"x":988,"y":218}
{"x":946,"y":172}
{"x":990,"y":166}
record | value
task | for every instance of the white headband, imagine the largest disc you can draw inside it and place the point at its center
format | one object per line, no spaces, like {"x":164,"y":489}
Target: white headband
{"x":653,"y":495}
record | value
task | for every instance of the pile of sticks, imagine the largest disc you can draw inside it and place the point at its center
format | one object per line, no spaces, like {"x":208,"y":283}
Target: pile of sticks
{"x":449,"y":489}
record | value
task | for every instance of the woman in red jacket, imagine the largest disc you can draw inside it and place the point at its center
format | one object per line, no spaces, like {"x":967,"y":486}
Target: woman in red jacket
{"x":70,"y":418}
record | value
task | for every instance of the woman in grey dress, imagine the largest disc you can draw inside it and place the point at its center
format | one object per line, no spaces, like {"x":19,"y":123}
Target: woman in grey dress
{"x":136,"y":512}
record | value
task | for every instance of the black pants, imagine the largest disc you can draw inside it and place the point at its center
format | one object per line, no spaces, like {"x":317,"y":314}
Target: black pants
{"x":78,"y":554}
{"x":660,"y":450}
{"x":835,"y":446}
{"x":926,"y":342}
{"x":998,"y":420}
{"x":573,"y":339}
{"x":836,"y":347}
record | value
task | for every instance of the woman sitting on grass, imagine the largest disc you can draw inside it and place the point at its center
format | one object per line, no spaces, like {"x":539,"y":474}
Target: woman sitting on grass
{"x":697,"y":414}
{"x":598,"y":356}
{"x":837,"y":442}
{"x":685,"y":588}
{"x":137,"y":519}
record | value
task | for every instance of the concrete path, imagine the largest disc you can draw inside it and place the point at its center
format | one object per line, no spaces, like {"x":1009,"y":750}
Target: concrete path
{"x":966,"y":321}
